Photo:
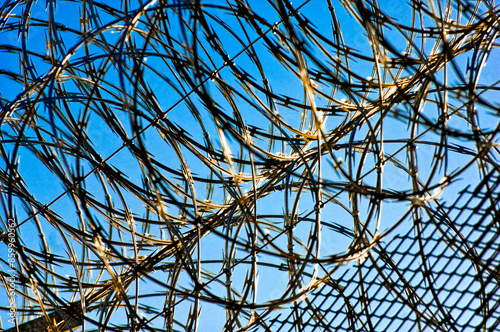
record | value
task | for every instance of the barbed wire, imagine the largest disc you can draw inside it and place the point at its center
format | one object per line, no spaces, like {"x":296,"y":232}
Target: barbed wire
{"x":200,"y":165}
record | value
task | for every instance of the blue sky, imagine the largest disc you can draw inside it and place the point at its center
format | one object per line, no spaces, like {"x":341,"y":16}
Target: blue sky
{"x":213,"y":124}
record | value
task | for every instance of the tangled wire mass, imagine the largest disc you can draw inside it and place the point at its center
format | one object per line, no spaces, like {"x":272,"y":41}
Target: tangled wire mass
{"x":230,"y":165}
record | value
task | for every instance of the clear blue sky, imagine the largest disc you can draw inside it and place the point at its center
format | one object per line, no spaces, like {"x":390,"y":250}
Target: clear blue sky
{"x":241,"y":117}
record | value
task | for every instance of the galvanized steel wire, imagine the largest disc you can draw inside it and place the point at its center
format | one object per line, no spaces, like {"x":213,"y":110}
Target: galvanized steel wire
{"x":198,"y":165}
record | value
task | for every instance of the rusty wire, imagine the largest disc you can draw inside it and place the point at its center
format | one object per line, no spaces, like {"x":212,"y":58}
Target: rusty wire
{"x":229,"y":165}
